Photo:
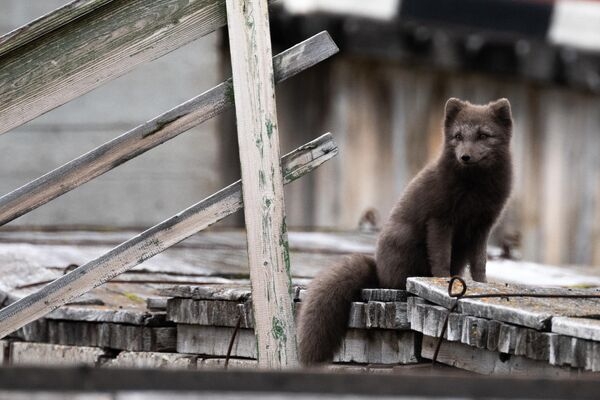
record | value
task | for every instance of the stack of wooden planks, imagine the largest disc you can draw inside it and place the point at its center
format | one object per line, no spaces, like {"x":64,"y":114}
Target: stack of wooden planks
{"x":525,"y":335}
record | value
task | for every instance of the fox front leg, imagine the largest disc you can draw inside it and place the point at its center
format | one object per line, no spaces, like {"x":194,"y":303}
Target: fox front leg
{"x":478,"y":257}
{"x":439,"y":247}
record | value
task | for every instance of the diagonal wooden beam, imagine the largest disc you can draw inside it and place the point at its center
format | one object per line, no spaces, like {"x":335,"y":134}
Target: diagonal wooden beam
{"x":154,"y":240}
{"x":87,"y":51}
{"x":153,"y":133}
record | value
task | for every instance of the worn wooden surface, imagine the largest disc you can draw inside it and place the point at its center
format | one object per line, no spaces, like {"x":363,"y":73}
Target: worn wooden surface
{"x":488,"y":362}
{"x":128,"y":359}
{"x":532,"y":312}
{"x":53,"y":355}
{"x":63,"y":64}
{"x":152,"y":133}
{"x":585,"y":328}
{"x":258,"y":138}
{"x":151,"y":242}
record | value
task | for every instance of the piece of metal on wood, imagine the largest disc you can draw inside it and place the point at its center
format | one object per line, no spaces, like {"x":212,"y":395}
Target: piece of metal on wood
{"x":153,"y":133}
{"x":64,"y":64}
{"x":153,"y":241}
{"x":258,"y":138}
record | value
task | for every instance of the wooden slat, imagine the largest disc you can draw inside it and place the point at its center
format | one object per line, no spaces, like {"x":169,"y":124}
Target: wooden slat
{"x":585,"y":328}
{"x":153,"y":133}
{"x":258,"y":138}
{"x":94,"y":49}
{"x":153,"y":241}
{"x":47,"y":23}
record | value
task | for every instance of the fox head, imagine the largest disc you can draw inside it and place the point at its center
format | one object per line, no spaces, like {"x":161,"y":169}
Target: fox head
{"x":477,"y":135}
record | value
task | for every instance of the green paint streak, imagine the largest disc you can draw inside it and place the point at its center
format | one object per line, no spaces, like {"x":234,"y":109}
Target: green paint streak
{"x":259,"y":145}
{"x":278,"y":331}
{"x":283,"y":242}
{"x":133,"y":297}
{"x":229,"y":92}
{"x":269,"y":125}
{"x":261,"y":179}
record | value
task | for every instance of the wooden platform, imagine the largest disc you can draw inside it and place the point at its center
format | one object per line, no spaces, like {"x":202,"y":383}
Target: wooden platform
{"x":179,"y":310}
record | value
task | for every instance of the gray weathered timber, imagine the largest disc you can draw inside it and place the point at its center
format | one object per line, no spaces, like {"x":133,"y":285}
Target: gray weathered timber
{"x":4,"y":352}
{"x":132,"y":317}
{"x":209,"y":312}
{"x":214,"y":341}
{"x":53,"y":355}
{"x":114,"y":336}
{"x":47,"y":23}
{"x":96,"y":48}
{"x":383,"y":295}
{"x":487,"y":362}
{"x":156,"y":303}
{"x":153,"y":241}
{"x":143,"y":359}
{"x":258,"y":139}
{"x":532,"y":312}
{"x":584,"y":328}
{"x":378,"y":347}
{"x":220,"y":292}
{"x":153,"y":133}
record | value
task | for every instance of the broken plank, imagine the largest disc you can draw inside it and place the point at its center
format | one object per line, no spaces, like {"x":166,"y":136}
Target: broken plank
{"x":237,"y":293}
{"x":487,"y":362}
{"x":121,"y":316}
{"x":531,"y":312}
{"x":153,"y":241}
{"x":152,"y":133}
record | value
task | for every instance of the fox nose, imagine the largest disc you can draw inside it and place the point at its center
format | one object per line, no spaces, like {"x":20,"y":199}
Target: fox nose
{"x":465,"y":157}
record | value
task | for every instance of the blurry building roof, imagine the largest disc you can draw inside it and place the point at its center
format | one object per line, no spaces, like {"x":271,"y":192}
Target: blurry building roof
{"x":544,"y":40}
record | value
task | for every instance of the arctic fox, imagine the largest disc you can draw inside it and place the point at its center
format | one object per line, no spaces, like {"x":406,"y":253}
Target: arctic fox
{"x":441,"y":224}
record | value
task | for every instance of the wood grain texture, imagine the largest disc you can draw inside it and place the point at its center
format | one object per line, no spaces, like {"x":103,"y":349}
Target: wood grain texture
{"x":152,"y":242}
{"x":53,"y":355}
{"x":47,"y":23}
{"x":96,"y":48}
{"x":585,"y":328}
{"x":258,"y":138}
{"x":152,"y":133}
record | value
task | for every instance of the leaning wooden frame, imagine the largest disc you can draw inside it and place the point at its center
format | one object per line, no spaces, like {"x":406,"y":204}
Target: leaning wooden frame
{"x":263,"y":173}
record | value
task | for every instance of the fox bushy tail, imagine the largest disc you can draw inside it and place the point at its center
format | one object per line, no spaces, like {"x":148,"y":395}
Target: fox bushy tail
{"x":324,"y":314}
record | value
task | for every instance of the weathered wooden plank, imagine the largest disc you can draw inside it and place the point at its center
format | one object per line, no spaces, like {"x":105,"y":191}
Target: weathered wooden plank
{"x":63,"y":64}
{"x":214,"y":341}
{"x":487,"y":362}
{"x":584,"y":328}
{"x":153,"y":241}
{"x":209,"y":312}
{"x":258,"y":138}
{"x":122,"y":316}
{"x":53,"y":355}
{"x":234,"y":363}
{"x":47,"y":23}
{"x":156,"y":303}
{"x":35,"y":331}
{"x":526,"y":311}
{"x":378,"y":347}
{"x":114,"y":336}
{"x":4,"y":352}
{"x":144,"y":359}
{"x":383,"y":295}
{"x":234,"y":293}
{"x":153,"y":133}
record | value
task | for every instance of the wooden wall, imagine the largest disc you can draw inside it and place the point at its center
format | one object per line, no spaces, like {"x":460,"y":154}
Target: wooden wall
{"x":386,"y":119}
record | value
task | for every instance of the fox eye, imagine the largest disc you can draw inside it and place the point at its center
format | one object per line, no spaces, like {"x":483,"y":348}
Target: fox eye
{"x":483,"y":136}
{"x":458,"y":136}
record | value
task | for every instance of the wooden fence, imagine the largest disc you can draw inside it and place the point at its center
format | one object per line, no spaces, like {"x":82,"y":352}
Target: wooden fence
{"x":88,"y":42}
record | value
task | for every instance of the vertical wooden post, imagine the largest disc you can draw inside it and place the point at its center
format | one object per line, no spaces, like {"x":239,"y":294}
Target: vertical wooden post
{"x":250,"y":44}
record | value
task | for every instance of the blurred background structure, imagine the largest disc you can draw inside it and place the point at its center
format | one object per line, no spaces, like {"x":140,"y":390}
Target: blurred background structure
{"x":383,"y":99}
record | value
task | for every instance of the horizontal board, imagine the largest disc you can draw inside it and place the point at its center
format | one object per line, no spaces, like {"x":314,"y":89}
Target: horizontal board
{"x":123,"y":316}
{"x":53,"y":355}
{"x":143,"y":359}
{"x":531,"y":312}
{"x":585,"y":328}
{"x":487,"y":362}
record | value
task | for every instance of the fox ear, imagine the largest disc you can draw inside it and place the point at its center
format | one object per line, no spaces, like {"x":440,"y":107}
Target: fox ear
{"x":453,"y":107}
{"x":501,"y":111}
